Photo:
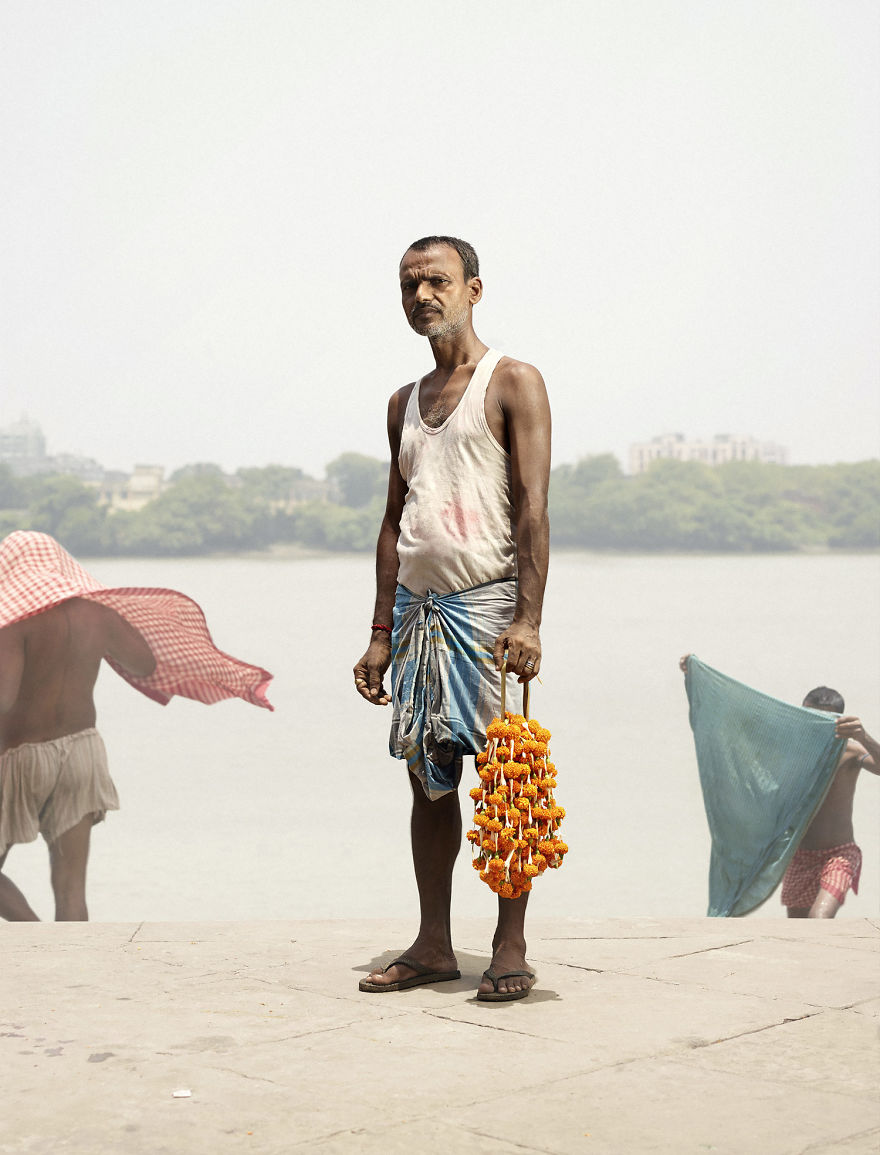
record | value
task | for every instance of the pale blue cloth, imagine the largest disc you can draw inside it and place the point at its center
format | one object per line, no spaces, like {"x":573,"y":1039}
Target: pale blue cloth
{"x":765,"y":768}
{"x":445,"y":689}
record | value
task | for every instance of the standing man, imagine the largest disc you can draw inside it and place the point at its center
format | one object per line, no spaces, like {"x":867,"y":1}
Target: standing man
{"x":461,"y":565}
{"x":827,"y":861}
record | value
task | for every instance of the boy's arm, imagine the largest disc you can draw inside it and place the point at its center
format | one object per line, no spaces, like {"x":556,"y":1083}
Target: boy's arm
{"x":862,"y":749}
{"x":128,"y":647}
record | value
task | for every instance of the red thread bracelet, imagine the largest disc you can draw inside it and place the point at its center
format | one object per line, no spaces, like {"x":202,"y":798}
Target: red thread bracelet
{"x":376,"y":626}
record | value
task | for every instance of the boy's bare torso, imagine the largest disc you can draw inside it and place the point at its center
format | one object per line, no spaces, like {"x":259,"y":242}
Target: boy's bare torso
{"x":49,"y":664}
{"x":832,"y":824}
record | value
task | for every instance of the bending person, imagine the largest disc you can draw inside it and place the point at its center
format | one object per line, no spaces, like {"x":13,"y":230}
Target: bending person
{"x":54,"y":779}
{"x":827,"y":861}
{"x":56,"y":625}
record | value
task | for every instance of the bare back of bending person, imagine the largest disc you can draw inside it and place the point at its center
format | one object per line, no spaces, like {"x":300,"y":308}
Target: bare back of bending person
{"x":49,"y":664}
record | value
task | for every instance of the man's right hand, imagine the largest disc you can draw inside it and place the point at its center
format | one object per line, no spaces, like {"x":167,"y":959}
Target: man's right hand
{"x":369,"y":671}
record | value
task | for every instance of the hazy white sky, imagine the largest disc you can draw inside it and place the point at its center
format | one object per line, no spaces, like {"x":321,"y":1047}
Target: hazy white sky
{"x":675,"y":204}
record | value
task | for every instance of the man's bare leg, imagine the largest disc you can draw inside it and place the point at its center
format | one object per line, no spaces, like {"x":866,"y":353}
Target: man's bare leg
{"x":68,"y":857}
{"x":435,"y":829}
{"x":825,"y":906}
{"x":509,"y":947}
{"x":14,"y":907}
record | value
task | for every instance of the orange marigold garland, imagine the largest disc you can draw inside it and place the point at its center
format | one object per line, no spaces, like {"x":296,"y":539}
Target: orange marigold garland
{"x":516,"y":819}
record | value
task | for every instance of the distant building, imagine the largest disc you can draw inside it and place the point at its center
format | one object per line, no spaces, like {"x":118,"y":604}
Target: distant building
{"x":23,"y":447}
{"x":134,"y":492}
{"x":721,"y":448}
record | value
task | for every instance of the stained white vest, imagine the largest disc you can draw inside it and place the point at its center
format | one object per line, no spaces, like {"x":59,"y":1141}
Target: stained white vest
{"x":456,"y":530}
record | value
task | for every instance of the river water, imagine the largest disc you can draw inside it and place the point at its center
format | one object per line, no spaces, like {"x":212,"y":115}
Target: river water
{"x":230,"y":812}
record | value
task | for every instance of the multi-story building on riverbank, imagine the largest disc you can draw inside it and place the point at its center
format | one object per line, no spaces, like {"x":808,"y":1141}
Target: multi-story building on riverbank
{"x":721,"y":448}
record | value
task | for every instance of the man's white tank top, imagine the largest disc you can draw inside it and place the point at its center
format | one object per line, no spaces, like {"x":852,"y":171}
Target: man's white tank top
{"x":456,"y":530}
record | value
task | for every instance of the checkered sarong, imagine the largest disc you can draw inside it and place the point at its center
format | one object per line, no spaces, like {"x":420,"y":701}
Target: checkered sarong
{"x":37,"y":573}
{"x":832,"y":868}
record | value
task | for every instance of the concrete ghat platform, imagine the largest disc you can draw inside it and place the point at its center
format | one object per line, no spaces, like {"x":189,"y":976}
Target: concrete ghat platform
{"x":642,"y":1036}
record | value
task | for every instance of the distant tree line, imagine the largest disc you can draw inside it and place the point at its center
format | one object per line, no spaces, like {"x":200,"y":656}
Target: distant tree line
{"x":675,"y":506}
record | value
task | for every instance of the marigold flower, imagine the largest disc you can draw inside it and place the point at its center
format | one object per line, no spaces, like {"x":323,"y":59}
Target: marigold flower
{"x":472,"y":835}
{"x":496,"y":865}
{"x":493,"y":824}
{"x":506,"y":890}
{"x":495,"y":729}
{"x":530,"y":870}
{"x":502,"y":754}
{"x":476,"y":792}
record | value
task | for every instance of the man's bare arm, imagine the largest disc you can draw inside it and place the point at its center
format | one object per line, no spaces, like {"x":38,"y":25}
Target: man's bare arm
{"x":863,"y":750}
{"x":523,"y":397}
{"x":370,"y":669}
{"x":11,"y":665}
{"x":128,"y":647}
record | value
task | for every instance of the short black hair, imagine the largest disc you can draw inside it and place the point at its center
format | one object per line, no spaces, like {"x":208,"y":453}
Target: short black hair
{"x":824,"y":698}
{"x":470,"y":262}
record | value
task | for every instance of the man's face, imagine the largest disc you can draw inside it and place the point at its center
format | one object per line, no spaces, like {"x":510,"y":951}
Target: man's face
{"x":435,"y":296}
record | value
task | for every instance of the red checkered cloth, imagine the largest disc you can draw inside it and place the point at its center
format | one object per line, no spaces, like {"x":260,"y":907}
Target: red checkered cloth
{"x":833,"y":868}
{"x":37,"y":573}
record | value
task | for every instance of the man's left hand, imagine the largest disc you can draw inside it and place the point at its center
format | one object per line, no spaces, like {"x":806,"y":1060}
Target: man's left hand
{"x":523,"y":645}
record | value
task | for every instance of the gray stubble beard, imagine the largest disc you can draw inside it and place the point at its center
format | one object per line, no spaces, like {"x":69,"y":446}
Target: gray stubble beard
{"x":445,"y":327}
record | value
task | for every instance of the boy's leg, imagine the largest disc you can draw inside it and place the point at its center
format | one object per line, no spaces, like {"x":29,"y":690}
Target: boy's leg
{"x":14,"y":907}
{"x":826,"y":905}
{"x":68,"y":858}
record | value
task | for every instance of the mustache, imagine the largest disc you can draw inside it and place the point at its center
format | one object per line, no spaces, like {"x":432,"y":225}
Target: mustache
{"x":423,"y":309}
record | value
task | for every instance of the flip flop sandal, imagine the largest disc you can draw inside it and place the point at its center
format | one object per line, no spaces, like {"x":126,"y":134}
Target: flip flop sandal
{"x":497,"y":996}
{"x":422,"y":977}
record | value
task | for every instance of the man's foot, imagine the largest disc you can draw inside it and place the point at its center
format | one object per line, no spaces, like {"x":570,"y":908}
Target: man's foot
{"x":428,"y":961}
{"x":508,"y":976}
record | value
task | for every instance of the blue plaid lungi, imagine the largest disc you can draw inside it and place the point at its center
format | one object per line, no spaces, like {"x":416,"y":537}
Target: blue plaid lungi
{"x":445,"y":689}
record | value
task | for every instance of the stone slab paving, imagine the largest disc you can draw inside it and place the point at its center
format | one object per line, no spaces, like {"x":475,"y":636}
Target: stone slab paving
{"x":643,"y":1035}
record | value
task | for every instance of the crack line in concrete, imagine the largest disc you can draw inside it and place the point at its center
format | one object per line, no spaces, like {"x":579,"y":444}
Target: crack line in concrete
{"x":137,"y":931}
{"x":480,"y":1026}
{"x":250,"y":1078}
{"x":756,"y":1030}
{"x":707,"y":949}
{"x":841,"y":1139}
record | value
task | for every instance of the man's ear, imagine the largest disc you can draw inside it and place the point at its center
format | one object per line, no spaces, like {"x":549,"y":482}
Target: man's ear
{"x":475,"y":289}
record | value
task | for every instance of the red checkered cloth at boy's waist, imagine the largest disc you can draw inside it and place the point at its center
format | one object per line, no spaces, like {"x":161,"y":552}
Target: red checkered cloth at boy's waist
{"x":37,"y":573}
